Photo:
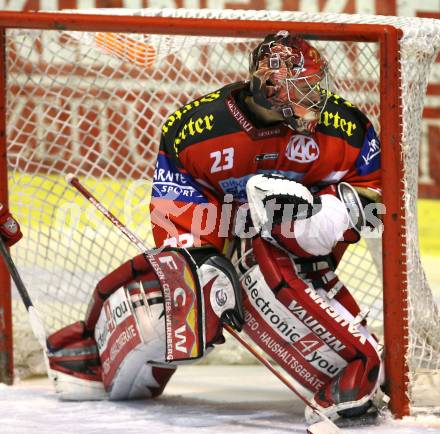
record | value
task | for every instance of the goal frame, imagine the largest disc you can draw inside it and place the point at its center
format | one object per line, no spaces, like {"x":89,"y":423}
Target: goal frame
{"x":394,"y":237}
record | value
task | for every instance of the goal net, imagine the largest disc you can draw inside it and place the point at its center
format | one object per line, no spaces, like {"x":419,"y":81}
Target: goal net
{"x":91,"y":101}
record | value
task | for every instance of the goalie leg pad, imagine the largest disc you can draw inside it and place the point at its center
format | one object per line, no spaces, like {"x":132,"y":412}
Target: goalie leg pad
{"x":73,"y":364}
{"x":73,"y":351}
{"x":131,"y":340}
{"x":316,"y":340}
{"x":162,"y":336}
{"x":150,"y":314}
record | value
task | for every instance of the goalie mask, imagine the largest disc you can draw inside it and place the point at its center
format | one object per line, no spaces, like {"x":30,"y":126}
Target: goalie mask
{"x":289,"y":76}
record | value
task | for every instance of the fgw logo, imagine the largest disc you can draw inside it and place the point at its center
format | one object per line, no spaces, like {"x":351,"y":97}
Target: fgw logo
{"x":180,"y":336}
{"x":302,"y":149}
{"x":182,"y":309}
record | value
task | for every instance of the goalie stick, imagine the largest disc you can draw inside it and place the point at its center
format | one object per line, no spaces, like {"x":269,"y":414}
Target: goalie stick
{"x":34,"y":319}
{"x":326,"y":426}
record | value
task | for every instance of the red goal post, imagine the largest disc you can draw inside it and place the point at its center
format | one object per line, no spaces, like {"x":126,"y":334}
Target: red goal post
{"x":389,"y":112}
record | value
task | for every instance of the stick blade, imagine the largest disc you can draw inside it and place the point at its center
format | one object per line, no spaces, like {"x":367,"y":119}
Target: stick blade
{"x":323,"y":427}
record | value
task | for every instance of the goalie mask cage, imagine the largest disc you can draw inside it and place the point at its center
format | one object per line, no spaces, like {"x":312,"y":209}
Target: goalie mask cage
{"x":87,"y":94}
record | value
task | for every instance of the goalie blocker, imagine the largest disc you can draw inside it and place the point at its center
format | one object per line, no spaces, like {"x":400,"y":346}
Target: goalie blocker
{"x":152,"y":313}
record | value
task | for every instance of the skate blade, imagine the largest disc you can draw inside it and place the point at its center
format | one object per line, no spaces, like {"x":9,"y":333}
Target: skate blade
{"x":323,"y":427}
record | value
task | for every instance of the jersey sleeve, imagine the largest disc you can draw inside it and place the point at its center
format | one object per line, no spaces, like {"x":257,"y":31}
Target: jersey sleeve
{"x":366,"y":169}
{"x":183,"y":214}
{"x":351,"y":145}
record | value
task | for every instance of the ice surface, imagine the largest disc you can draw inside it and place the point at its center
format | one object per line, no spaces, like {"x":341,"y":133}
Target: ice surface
{"x":199,"y":400}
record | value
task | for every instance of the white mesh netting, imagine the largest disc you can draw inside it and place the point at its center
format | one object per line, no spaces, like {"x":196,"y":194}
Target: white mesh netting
{"x":93,"y":104}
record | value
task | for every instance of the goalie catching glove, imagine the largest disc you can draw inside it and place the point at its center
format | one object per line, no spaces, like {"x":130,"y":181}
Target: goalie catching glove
{"x":287,"y":214}
{"x":149,"y":315}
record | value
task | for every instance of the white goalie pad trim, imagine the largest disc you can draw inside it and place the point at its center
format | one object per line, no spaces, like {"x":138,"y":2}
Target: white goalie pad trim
{"x":70,"y":388}
{"x":336,"y":288}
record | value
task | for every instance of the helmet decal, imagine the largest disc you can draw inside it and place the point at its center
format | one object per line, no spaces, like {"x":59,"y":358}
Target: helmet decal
{"x":289,"y":76}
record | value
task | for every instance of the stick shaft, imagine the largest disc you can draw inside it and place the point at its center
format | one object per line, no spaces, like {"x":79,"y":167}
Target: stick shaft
{"x":269,"y":366}
{"x":278,"y":374}
{"x":106,"y":213}
{"x":35,"y":321}
{"x":15,"y":275}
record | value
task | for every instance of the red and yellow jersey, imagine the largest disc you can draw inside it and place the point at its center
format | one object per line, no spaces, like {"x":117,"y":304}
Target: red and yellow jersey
{"x":213,"y":145}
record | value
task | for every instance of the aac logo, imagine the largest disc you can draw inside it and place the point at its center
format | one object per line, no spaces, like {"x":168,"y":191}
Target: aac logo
{"x":302,"y":149}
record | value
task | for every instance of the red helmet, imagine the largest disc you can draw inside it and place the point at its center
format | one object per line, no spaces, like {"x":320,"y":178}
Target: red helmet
{"x":289,"y":76}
